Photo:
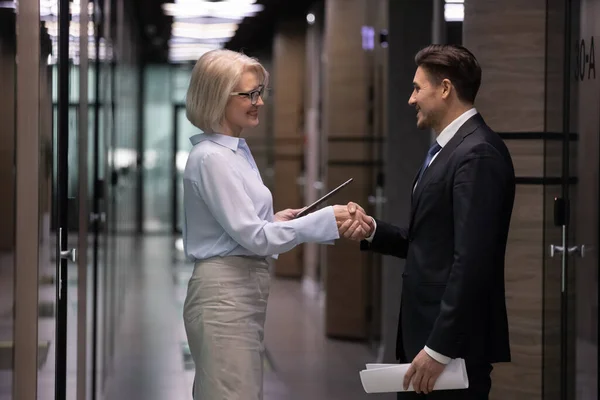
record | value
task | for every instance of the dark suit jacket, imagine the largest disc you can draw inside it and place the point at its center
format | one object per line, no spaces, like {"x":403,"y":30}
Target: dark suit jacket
{"x":453,"y":297}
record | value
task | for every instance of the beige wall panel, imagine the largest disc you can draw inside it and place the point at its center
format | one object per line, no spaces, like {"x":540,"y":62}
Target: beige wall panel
{"x":350,"y":151}
{"x":288,"y":195}
{"x":527,"y":156}
{"x":349,"y":73}
{"x":27,"y":203}
{"x":346,"y":69}
{"x":508,"y":38}
{"x":347,"y":268}
{"x":288,"y":98}
{"x":521,"y":379}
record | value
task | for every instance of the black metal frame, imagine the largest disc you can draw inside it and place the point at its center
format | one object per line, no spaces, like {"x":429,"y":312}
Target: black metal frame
{"x":98,"y":193}
{"x":61,"y":207}
{"x":174,"y":195}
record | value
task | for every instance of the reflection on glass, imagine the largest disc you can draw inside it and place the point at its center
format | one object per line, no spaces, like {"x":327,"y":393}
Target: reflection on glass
{"x":158,"y":130}
{"x":7,"y":206}
{"x":47,"y":245}
{"x":184,"y":131}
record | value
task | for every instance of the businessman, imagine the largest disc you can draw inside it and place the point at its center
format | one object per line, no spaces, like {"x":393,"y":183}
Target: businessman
{"x":453,"y":301}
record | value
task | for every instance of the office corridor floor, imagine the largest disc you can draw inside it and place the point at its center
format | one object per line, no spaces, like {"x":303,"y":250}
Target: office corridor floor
{"x":153,"y":363}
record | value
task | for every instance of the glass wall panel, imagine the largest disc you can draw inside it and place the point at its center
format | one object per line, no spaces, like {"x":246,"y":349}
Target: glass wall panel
{"x":158,"y":124}
{"x":167,"y":131}
{"x":185,"y":130}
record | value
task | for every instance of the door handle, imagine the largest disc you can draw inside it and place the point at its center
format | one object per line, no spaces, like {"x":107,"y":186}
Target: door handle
{"x":94,"y":217}
{"x":65,"y":254}
{"x":377,"y":200}
{"x":70,"y":255}
{"x":573,"y":250}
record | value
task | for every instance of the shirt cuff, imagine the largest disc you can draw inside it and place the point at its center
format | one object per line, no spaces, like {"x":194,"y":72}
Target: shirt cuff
{"x":442,"y":359}
{"x":317,"y":227}
{"x":370,"y":238}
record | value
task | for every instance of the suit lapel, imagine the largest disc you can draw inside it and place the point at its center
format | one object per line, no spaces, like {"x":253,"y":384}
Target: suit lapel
{"x":438,"y":163}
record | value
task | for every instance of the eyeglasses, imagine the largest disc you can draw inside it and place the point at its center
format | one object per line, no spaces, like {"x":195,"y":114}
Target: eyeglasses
{"x":252,"y":95}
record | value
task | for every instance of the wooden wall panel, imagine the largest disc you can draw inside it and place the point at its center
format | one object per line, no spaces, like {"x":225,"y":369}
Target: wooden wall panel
{"x":347,"y":269}
{"x":288,"y":98}
{"x":509,"y":39}
{"x":521,"y":379}
{"x":259,"y":138}
{"x":352,"y":139}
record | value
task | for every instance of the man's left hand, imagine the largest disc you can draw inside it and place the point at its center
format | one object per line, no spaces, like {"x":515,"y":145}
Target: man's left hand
{"x":424,"y":372}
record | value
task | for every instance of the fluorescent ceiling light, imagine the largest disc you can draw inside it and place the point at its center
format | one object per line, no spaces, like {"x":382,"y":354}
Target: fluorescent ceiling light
{"x":201,"y":31}
{"x":74,"y":29}
{"x":50,"y":8}
{"x":200,"y":42}
{"x":454,"y":12}
{"x":200,"y":25}
{"x":207,"y":20}
{"x":202,"y":35}
{"x":205,"y":27}
{"x":455,"y":1}
{"x":193,"y":45}
{"x":196,"y":42}
{"x":8,"y":4}
{"x":105,"y":51}
{"x":224,"y":9}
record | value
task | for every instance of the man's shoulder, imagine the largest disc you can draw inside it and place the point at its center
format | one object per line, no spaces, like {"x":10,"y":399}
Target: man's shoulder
{"x":482,"y":136}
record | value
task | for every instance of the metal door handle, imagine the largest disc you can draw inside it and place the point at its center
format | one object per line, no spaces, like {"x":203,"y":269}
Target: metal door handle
{"x":98,"y":217}
{"x":575,"y":250}
{"x":377,"y":200}
{"x":69,"y":255}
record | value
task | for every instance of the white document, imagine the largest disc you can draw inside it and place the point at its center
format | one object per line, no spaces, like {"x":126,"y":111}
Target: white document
{"x":382,"y":378}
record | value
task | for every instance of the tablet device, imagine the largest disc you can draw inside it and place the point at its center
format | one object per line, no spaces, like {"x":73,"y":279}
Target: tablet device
{"x":314,"y":205}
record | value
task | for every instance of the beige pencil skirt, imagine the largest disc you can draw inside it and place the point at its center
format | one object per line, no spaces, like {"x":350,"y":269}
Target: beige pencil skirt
{"x":224,"y":314}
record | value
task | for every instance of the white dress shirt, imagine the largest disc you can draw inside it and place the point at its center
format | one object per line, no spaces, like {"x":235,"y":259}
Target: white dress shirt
{"x":443,"y":138}
{"x":228,"y":211}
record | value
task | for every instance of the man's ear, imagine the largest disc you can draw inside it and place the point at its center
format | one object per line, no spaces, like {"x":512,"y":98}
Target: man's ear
{"x":446,"y":88}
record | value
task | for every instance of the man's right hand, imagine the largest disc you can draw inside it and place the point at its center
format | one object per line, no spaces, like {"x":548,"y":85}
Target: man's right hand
{"x":353,"y":222}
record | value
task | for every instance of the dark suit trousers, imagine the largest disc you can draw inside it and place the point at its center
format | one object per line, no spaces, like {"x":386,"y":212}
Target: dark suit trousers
{"x":480,"y":384}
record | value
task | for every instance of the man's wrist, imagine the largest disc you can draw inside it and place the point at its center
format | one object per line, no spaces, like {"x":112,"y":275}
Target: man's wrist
{"x":372,"y":235}
{"x":442,"y":359}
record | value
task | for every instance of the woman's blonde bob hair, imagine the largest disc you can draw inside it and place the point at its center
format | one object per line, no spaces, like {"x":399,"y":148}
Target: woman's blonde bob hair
{"x":214,"y":77}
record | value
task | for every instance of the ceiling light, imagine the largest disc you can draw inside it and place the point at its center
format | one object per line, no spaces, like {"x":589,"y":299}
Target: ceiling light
{"x":224,"y":9}
{"x":454,"y":12}
{"x":202,"y":31}
{"x":8,"y":4}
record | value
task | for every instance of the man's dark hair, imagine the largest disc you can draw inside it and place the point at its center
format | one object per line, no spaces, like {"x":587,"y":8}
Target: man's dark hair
{"x":455,"y":63}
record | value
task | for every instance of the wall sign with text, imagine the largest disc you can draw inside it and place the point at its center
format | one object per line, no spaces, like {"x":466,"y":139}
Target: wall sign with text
{"x":585,"y":59}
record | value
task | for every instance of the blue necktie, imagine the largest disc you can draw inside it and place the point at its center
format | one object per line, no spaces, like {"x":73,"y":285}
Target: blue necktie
{"x":433,"y":150}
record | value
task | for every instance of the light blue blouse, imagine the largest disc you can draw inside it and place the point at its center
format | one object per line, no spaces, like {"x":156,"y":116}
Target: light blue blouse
{"x":229,"y":211}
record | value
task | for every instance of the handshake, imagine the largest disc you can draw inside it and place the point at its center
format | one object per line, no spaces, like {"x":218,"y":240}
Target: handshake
{"x":353,"y":222}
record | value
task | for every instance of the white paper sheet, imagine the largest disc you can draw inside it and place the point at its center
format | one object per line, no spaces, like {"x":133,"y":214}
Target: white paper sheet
{"x":382,"y":378}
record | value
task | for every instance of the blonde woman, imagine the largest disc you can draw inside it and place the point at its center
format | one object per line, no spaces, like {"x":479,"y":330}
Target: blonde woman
{"x":230,"y":229}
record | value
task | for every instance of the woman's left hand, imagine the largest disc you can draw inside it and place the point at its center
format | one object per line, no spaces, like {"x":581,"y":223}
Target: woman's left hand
{"x":286,"y":215}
